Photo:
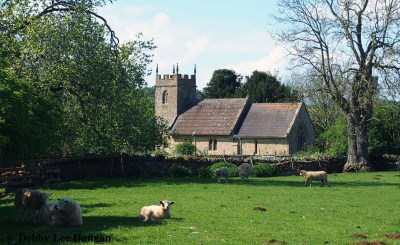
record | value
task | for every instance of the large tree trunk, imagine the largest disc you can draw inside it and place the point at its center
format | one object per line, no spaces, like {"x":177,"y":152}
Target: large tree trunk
{"x":357,"y":156}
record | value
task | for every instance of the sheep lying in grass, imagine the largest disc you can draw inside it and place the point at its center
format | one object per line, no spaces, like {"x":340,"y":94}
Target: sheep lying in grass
{"x":29,"y":200}
{"x":309,"y":176}
{"x":245,"y":170}
{"x":155,"y":212}
{"x":65,"y":212}
{"x":222,"y":173}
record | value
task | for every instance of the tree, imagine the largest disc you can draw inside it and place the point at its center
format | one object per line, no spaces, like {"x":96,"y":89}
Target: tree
{"x":71,"y":56}
{"x":31,"y":121}
{"x":350,"y":49}
{"x":323,"y":111}
{"x":333,"y":141}
{"x":185,"y":148}
{"x":384,"y":135}
{"x":262,"y":87}
{"x":223,"y":84}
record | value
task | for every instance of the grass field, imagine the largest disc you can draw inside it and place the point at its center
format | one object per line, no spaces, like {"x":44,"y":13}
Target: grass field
{"x":205,"y":212}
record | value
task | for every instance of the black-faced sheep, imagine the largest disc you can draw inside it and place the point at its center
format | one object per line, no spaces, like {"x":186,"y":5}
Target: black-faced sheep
{"x":65,"y":212}
{"x":222,"y":173}
{"x":309,"y":176}
{"x":245,"y":170}
{"x":29,"y":200}
{"x":156,"y":212}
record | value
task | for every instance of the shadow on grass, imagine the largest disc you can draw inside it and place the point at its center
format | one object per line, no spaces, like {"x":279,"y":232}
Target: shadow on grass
{"x":94,"y":227}
{"x":97,"y":205}
{"x":290,"y":181}
{"x":91,"y":184}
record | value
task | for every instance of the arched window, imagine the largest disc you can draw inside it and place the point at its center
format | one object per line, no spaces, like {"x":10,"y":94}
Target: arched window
{"x":165,"y":97}
{"x":210,"y":145}
{"x":301,"y":138}
{"x":215,"y":145}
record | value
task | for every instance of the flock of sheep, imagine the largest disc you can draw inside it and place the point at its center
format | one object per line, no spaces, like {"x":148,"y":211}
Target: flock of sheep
{"x":67,"y":212}
{"x":245,"y":170}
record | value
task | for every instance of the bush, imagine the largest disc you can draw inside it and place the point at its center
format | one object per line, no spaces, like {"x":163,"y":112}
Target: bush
{"x":264,"y":170}
{"x":334,"y":141}
{"x":233,"y":169}
{"x":205,"y":172}
{"x":159,"y":153}
{"x":180,"y":171}
{"x":185,"y":148}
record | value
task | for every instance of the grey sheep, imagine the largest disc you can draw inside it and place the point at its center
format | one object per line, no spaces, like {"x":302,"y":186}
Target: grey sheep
{"x":222,"y":173}
{"x":245,"y":170}
{"x":29,"y":200}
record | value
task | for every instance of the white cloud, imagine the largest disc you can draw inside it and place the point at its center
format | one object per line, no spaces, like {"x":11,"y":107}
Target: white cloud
{"x":194,"y":48}
{"x":241,"y":50}
{"x":161,"y":20}
{"x":275,"y":61}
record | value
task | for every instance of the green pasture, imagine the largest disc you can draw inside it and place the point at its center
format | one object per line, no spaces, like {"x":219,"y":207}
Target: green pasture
{"x":205,"y":212}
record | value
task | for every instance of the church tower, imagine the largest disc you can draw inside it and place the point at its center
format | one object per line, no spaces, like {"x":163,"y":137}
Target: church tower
{"x":174,"y":94}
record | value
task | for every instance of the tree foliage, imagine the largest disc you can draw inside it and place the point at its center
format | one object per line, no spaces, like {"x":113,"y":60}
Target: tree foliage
{"x":185,"y":148}
{"x":333,"y":141}
{"x":384,"y":136}
{"x":68,"y":69}
{"x":323,"y":111}
{"x":349,"y":50}
{"x":262,"y":87}
{"x":224,"y":83}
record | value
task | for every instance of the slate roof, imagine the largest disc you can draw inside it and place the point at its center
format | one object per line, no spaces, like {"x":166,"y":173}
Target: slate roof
{"x":211,"y":117}
{"x":269,"y":120}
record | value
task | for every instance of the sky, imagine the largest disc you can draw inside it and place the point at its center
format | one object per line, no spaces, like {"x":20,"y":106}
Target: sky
{"x":213,"y":34}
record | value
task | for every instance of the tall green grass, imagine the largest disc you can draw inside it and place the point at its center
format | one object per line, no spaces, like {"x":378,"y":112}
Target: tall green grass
{"x":209,"y":213}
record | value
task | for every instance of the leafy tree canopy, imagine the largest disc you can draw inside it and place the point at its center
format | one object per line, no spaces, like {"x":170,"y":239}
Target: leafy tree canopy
{"x":63,"y":55}
{"x":349,"y":50}
{"x":223,"y":84}
{"x":384,"y":134}
{"x":262,"y":87}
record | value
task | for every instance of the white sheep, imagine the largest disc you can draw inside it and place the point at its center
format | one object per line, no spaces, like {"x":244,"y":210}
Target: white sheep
{"x":222,"y":173}
{"x":245,"y":170}
{"x":65,"y":212}
{"x":156,"y":212}
{"x":309,"y":176}
{"x":29,"y":200}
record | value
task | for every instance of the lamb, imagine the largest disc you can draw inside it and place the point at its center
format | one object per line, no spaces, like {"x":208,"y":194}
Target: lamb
{"x":29,"y":200}
{"x":65,"y":212}
{"x":309,"y":176}
{"x":222,"y":173}
{"x":155,"y":212}
{"x":245,"y":170}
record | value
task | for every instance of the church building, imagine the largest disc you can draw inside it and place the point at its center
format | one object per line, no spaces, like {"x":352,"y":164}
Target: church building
{"x":230,"y":126}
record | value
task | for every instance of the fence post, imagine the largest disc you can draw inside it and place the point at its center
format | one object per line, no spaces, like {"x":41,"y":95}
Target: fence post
{"x":292,"y":163}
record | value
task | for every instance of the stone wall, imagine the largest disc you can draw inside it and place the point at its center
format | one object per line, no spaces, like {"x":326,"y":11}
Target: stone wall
{"x":149,"y":166}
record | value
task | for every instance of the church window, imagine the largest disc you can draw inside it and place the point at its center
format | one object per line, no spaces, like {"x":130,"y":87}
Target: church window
{"x":165,"y":97}
{"x":301,"y":139}
{"x":212,"y":145}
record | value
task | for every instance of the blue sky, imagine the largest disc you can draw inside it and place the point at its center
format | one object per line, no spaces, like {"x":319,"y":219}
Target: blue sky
{"x":213,"y":34}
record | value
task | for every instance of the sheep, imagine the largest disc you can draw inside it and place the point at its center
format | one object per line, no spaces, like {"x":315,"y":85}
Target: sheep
{"x":245,"y":170}
{"x":29,"y":200}
{"x":309,"y":176}
{"x":155,"y":212}
{"x":65,"y":212}
{"x":222,"y":173}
